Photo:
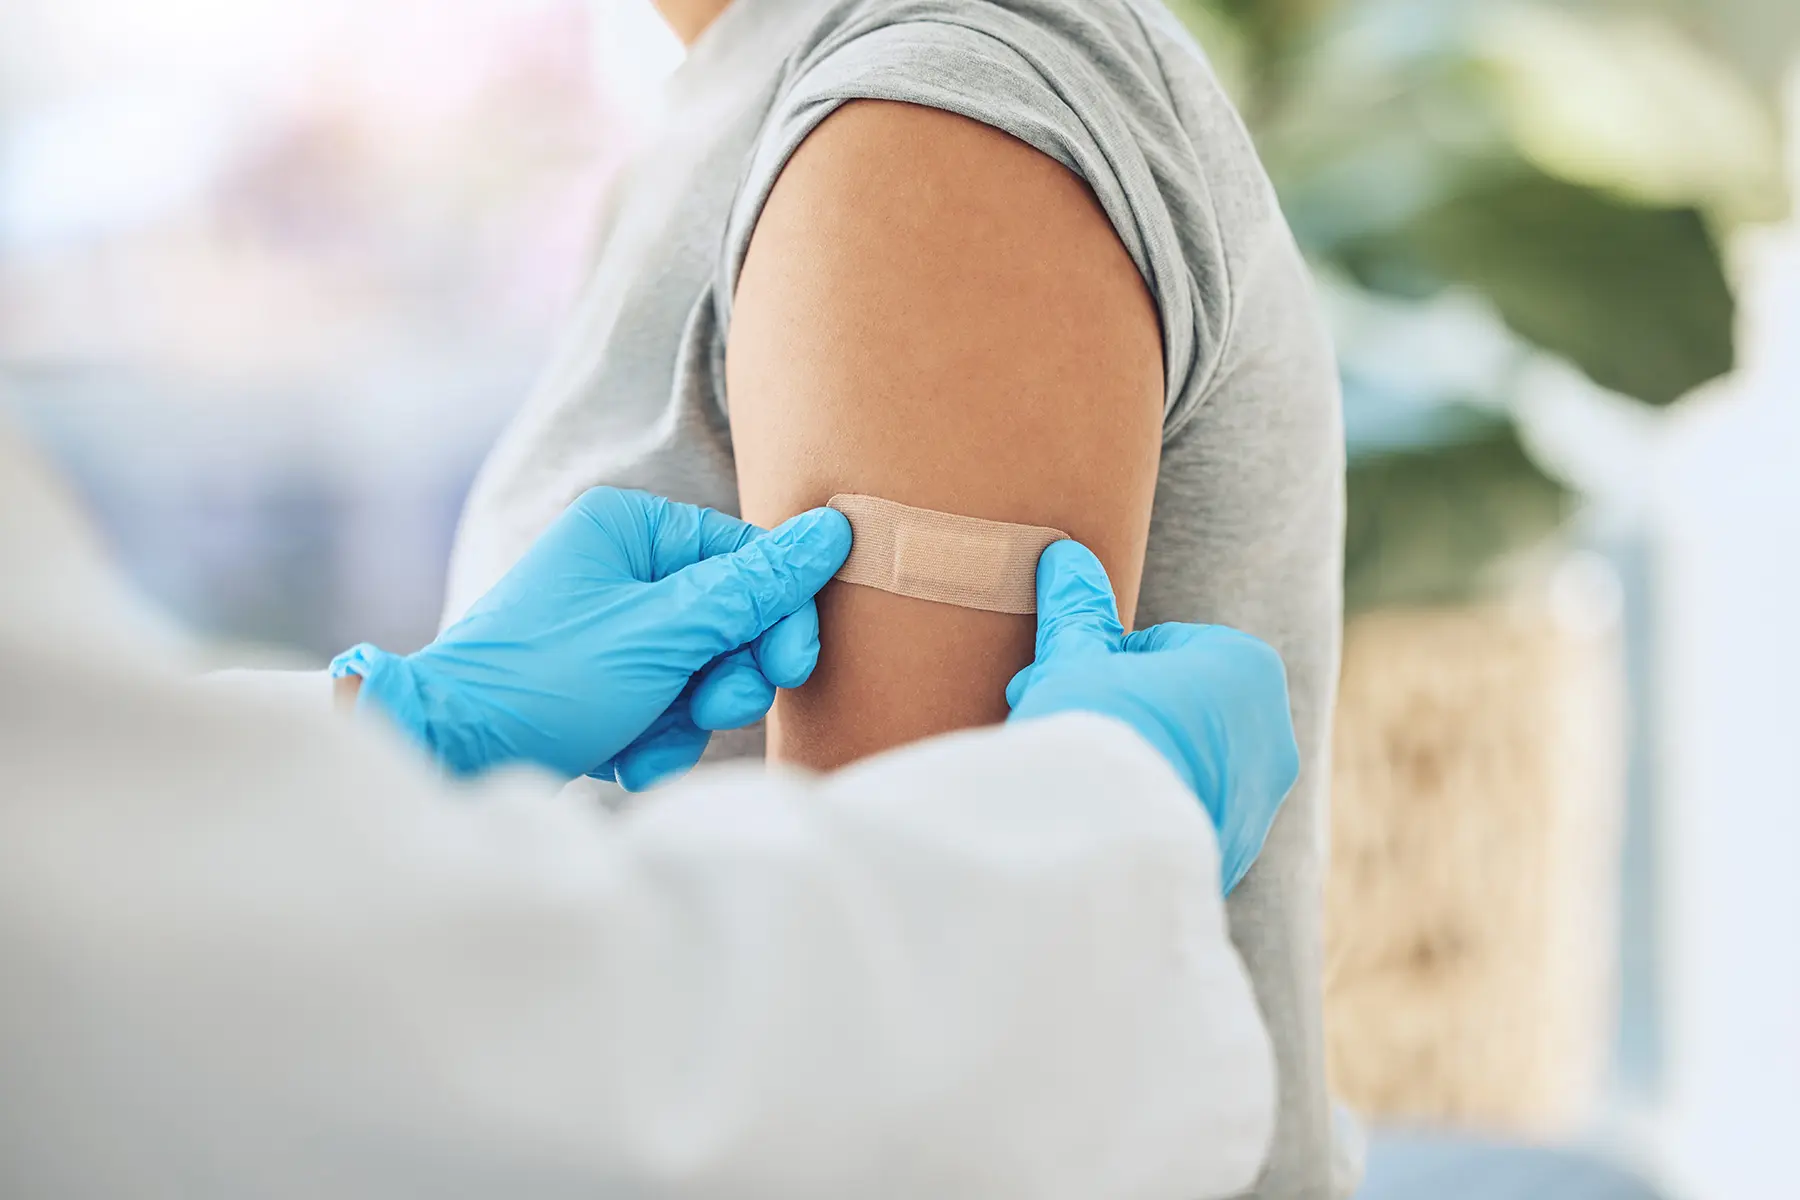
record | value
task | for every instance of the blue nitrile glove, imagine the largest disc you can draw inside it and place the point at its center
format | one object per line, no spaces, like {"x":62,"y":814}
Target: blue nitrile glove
{"x":1214,"y":701}
{"x":630,"y":629}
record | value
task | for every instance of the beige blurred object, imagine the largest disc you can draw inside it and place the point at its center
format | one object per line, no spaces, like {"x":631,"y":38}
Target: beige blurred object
{"x":1476,"y":814}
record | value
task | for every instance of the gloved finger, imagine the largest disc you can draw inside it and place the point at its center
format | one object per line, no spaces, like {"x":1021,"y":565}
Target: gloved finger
{"x":669,"y":727}
{"x":1077,"y":613}
{"x":721,"y":533}
{"x":669,"y":748}
{"x":788,"y":653}
{"x":651,"y":537}
{"x":732,"y":599}
{"x":1170,"y":635}
{"x":688,"y":534}
{"x":730,"y":693}
{"x":1015,"y":687}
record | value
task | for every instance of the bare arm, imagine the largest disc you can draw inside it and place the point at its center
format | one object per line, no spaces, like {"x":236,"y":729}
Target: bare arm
{"x":936,"y":313}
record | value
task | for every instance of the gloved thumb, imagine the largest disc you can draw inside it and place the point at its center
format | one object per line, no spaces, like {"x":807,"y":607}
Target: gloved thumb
{"x":1076,"y":610}
{"x":733,"y":598}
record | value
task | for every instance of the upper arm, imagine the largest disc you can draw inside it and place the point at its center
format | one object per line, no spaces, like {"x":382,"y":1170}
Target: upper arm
{"x":933,"y":312}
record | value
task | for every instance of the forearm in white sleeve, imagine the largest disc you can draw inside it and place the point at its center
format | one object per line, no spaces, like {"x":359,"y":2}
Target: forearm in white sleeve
{"x":252,"y":952}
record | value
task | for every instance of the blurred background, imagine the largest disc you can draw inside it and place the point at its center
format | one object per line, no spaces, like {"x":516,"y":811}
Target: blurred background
{"x":273,"y":274}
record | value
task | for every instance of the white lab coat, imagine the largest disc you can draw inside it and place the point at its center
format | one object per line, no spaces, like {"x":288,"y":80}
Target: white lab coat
{"x":250,"y":947}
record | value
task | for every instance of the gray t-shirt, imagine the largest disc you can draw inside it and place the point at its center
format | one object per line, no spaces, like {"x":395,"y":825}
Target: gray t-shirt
{"x":1247,"y":525}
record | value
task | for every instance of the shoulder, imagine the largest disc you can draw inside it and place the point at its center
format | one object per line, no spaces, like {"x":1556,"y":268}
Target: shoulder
{"x":906,"y":168}
{"x":951,"y":235}
{"x":1113,"y":92}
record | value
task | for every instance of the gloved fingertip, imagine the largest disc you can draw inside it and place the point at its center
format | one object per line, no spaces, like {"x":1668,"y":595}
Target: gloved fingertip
{"x":750,"y":590}
{"x":823,"y":523}
{"x":1075,"y":600}
{"x":816,"y":539}
{"x":1069,"y":557}
{"x":646,"y":772}
{"x":652,"y":766}
{"x":789,"y":651}
{"x":731,"y":699}
{"x":1015,"y":688}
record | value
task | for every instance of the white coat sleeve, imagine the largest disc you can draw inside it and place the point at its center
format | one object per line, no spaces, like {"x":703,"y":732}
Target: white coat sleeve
{"x":250,"y":950}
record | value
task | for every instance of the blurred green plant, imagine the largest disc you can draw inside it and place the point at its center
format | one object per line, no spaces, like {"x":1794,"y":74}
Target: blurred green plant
{"x":1574,"y":170}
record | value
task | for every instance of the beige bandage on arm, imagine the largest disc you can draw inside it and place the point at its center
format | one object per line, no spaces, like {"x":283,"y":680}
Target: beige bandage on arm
{"x":930,"y":555}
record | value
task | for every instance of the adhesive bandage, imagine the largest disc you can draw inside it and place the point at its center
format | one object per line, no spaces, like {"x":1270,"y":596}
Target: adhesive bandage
{"x":929,"y":555}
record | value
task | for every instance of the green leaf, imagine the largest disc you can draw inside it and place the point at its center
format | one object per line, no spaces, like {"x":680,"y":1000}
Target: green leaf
{"x":1624,"y":102}
{"x":1431,"y":526}
{"x":1635,"y":296}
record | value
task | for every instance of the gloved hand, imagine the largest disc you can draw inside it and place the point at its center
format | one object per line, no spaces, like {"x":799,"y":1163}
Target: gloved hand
{"x":1214,"y":701}
{"x":631,"y":629}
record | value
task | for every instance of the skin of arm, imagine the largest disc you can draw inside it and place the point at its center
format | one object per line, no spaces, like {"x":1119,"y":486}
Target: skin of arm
{"x":934,"y":312}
